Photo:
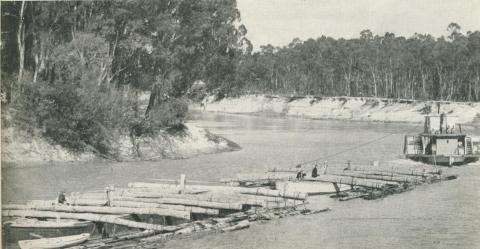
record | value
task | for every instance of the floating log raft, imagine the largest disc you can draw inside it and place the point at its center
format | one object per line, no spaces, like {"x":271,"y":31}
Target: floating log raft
{"x":220,"y":208}
{"x":233,"y":222}
{"x":396,"y":169}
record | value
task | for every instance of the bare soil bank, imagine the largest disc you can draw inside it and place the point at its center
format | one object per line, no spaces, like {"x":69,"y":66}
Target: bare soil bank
{"x":344,"y":108}
{"x":19,"y":149}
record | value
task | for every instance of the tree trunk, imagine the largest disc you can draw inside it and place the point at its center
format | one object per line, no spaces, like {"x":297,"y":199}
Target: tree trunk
{"x":374,"y":83}
{"x":151,"y":100}
{"x":21,"y":42}
{"x":424,"y":85}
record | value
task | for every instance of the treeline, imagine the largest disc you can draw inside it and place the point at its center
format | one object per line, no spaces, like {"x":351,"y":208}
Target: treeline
{"x":419,"y":67}
{"x":72,"y":70}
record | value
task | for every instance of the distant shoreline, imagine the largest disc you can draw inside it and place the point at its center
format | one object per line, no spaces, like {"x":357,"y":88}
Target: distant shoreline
{"x":342,"y":108}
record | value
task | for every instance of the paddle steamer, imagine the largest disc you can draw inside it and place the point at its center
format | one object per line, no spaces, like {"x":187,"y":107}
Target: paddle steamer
{"x":442,"y":143}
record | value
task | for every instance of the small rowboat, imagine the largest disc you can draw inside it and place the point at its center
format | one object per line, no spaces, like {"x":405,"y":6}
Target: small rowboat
{"x":50,"y":243}
{"x":23,"y":228}
{"x":57,"y":224}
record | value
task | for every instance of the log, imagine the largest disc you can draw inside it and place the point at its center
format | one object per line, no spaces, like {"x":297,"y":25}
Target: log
{"x":71,"y":201}
{"x":255,"y":191}
{"x":398,"y":170}
{"x":101,"y":210}
{"x":387,"y":168}
{"x":94,"y":243}
{"x":361,"y":175}
{"x":167,"y":188}
{"x":240,"y":225}
{"x":145,"y":202}
{"x":274,"y":193}
{"x":352,"y":181}
{"x":260,"y":177}
{"x":113,"y":219}
{"x":158,"y":237}
{"x":199,"y":203}
{"x":253,"y":200}
{"x":86,"y":201}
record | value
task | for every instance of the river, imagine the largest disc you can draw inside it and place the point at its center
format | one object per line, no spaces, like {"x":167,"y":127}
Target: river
{"x":443,"y":215}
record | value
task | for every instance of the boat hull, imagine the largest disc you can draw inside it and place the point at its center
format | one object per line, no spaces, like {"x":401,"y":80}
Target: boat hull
{"x":311,"y":188}
{"x":23,"y":229}
{"x":443,"y":160}
{"x":58,"y":242}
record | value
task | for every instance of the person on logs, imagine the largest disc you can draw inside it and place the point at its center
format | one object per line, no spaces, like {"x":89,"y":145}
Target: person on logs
{"x":301,"y":175}
{"x":314,"y":171}
{"x":61,"y":197}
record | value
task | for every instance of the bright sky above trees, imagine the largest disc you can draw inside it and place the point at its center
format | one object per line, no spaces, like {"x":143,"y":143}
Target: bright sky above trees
{"x":279,"y":21}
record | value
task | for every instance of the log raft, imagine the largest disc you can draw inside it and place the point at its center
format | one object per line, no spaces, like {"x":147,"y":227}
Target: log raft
{"x":182,"y":200}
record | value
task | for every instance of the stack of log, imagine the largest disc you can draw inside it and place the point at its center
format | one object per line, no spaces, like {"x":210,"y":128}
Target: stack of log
{"x":180,"y":201}
{"x":262,"y":179}
{"x":232,"y":222}
{"x":366,"y":181}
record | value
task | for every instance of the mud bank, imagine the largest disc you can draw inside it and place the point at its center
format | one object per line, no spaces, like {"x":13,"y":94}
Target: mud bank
{"x":344,"y":108}
{"x":20,"y":149}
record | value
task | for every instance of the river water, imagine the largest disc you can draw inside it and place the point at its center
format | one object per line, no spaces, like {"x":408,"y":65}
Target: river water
{"x":443,"y":215}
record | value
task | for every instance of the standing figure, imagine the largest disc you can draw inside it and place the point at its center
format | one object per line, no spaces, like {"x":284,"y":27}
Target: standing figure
{"x":325,"y":166}
{"x":314,"y":171}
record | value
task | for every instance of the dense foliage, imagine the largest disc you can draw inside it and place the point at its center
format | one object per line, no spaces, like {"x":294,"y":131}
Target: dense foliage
{"x":74,"y":70}
{"x":419,"y":67}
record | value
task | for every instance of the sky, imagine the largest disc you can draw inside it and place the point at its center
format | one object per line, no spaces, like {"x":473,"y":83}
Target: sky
{"x":277,"y":22}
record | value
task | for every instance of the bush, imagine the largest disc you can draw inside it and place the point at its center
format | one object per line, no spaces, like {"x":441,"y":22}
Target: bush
{"x":169,"y":113}
{"x":77,"y":116}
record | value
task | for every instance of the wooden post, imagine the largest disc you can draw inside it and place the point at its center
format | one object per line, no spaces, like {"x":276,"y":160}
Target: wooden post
{"x":182,"y":183}
{"x":337,"y":189}
{"x":109,"y":195}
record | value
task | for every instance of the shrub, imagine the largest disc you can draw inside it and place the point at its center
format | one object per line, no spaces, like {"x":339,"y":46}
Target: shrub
{"x":169,"y":113}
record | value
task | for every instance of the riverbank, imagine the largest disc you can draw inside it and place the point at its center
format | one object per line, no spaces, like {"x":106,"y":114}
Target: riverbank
{"x":343,"y":108}
{"x":20,"y":149}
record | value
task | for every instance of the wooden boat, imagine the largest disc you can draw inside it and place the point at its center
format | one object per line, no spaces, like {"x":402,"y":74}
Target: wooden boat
{"x":23,"y":228}
{"x":442,"y":143}
{"x":39,"y":224}
{"x":59,"y":242}
{"x":311,"y":188}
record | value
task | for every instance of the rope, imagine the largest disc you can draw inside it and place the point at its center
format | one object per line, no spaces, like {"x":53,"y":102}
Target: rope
{"x":357,"y":146}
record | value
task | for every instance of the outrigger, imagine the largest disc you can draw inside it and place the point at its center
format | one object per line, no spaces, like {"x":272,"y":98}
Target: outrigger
{"x":442,"y":143}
